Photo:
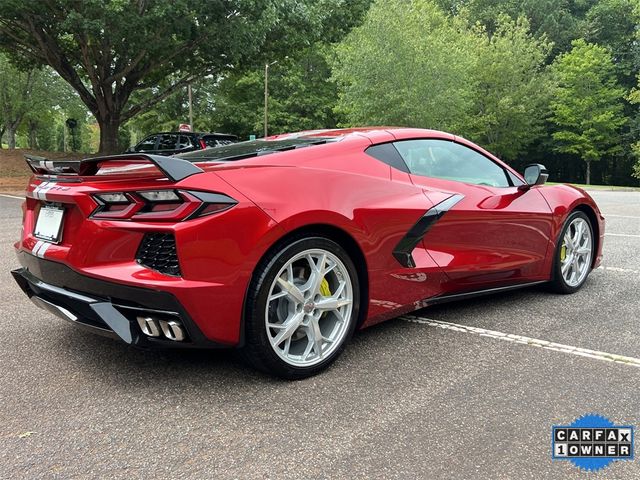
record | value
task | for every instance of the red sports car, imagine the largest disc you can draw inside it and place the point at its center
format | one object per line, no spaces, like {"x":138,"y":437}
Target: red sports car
{"x":284,"y":246}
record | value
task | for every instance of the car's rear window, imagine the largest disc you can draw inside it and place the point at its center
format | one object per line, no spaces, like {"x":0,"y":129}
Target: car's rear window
{"x":252,"y":148}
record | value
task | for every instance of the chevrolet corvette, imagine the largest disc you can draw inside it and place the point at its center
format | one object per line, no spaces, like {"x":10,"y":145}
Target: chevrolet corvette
{"x":283,"y":247}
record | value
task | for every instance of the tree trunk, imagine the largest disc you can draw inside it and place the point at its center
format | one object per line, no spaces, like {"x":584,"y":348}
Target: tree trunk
{"x":33,"y":144}
{"x":11,"y":138}
{"x":588,"y":180}
{"x":109,"y":135}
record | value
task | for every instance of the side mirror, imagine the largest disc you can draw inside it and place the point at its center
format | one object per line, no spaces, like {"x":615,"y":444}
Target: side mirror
{"x":534,"y":174}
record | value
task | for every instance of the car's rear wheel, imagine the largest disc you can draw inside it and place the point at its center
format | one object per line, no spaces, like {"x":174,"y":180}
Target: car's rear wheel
{"x":302,"y":307}
{"x":574,"y":254}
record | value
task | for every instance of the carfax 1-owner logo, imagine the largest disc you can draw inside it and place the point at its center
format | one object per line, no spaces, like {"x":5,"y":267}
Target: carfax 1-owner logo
{"x":592,"y":442}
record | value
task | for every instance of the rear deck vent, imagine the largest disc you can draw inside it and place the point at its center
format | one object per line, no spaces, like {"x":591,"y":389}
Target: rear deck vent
{"x":158,"y":252}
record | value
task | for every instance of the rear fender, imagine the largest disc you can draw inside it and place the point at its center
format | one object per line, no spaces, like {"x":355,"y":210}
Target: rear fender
{"x":374,"y":211}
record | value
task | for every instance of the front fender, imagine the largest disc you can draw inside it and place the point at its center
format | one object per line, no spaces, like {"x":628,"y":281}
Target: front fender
{"x":564,"y":199}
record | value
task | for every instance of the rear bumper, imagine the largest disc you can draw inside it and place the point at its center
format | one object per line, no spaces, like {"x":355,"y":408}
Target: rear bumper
{"x":105,"y":308}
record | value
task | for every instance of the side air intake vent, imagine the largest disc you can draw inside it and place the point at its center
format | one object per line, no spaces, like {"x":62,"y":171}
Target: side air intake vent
{"x":158,"y":252}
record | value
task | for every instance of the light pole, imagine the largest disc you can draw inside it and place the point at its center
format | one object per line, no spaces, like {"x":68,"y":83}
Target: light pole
{"x":266,"y":95}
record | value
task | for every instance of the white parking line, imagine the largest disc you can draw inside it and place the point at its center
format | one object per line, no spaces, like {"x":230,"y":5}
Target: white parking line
{"x":621,"y":270}
{"x":621,"y":235}
{"x":621,"y":216}
{"x":11,"y":196}
{"x":533,"y":342}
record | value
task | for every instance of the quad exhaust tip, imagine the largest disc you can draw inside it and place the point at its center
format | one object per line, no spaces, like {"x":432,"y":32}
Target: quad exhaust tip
{"x":154,"y":327}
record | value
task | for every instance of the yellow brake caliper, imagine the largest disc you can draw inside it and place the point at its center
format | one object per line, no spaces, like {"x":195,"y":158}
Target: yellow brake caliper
{"x":324,"y":288}
{"x":563,"y":252}
{"x":325,"y":291}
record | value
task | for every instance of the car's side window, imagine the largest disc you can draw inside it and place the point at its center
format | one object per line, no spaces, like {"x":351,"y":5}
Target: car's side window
{"x":147,"y":144}
{"x":451,"y":161}
{"x":167,"y":141}
{"x":184,"y":142}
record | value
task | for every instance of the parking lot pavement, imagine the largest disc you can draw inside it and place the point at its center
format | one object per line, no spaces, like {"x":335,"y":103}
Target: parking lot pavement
{"x":406,"y":400}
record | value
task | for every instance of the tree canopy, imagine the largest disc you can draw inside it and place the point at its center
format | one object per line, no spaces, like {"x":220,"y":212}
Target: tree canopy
{"x":492,"y":88}
{"x":16,"y":89}
{"x":107,"y":50}
{"x":494,"y":71}
{"x":397,"y":67}
{"x":511,"y":91}
{"x":587,"y":104}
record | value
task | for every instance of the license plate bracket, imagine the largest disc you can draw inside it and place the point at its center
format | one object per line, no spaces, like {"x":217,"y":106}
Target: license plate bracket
{"x":49,"y":224}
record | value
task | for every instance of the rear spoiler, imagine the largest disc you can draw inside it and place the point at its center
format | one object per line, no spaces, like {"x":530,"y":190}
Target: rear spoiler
{"x":174,"y":168}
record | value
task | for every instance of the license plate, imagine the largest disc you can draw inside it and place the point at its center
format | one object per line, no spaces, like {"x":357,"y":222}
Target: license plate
{"x":49,"y":224}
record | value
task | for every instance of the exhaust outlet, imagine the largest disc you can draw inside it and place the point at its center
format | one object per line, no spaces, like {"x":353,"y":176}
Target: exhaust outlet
{"x":172,"y":330}
{"x":149,"y":326}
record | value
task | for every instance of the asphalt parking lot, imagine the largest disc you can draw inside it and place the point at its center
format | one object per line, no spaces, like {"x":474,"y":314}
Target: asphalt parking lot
{"x":406,"y":400}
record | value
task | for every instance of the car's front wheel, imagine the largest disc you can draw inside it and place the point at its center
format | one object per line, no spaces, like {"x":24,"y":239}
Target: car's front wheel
{"x":574,"y":254}
{"x":302,"y":307}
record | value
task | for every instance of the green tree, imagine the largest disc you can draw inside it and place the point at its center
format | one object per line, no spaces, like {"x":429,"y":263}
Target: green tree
{"x":613,"y":24}
{"x":560,"y":21}
{"x":51,"y":102}
{"x":492,"y":89}
{"x":174,"y":110}
{"x":16,"y":90}
{"x":634,"y":99}
{"x":239,"y":103}
{"x":407,"y":64}
{"x":587,"y":106}
{"x":511,"y":89}
{"x":107,"y":50}
{"x":636,"y":152}
{"x":301,"y":96}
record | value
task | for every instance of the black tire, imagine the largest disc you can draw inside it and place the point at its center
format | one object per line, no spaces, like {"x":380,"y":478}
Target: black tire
{"x":258,"y":351}
{"x":558,"y":283}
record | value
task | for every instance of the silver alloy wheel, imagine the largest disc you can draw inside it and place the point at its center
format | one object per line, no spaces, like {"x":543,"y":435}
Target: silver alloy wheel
{"x":576,"y":252}
{"x":309,"y":307}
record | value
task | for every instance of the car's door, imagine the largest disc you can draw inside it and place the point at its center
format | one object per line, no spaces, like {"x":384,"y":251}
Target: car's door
{"x":495,"y":233}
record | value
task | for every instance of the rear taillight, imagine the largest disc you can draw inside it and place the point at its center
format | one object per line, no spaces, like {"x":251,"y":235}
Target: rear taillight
{"x":159,"y":205}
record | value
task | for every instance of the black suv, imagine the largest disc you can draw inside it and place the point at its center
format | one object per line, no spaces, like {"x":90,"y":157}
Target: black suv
{"x":170,"y":143}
